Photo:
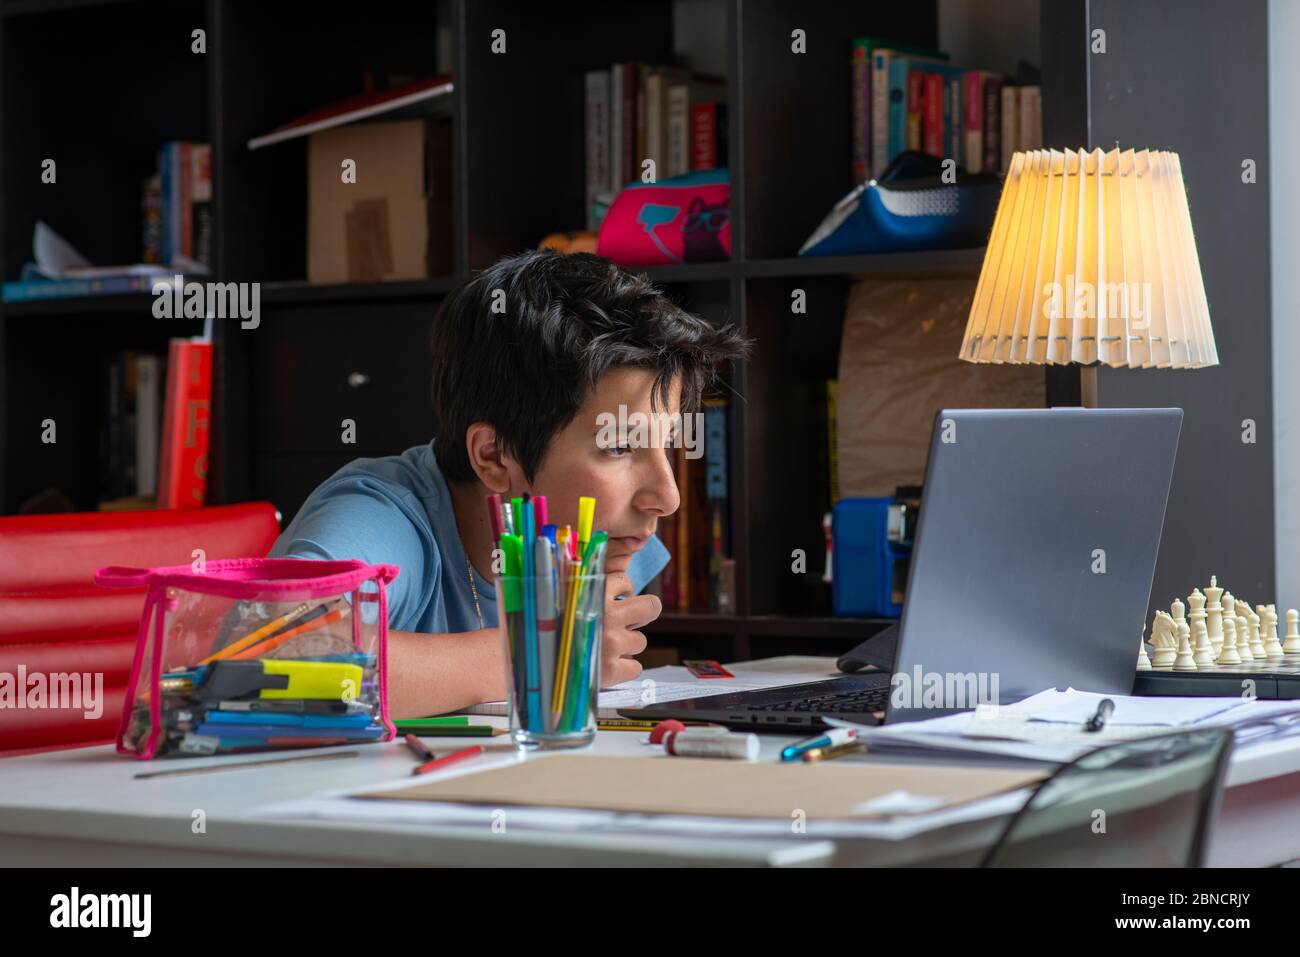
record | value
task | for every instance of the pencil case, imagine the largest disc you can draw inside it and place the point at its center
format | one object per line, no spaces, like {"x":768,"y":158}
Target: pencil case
{"x":681,"y":219}
{"x":256,"y":654}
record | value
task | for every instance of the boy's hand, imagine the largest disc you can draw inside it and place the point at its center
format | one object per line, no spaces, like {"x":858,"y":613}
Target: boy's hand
{"x":621,"y":638}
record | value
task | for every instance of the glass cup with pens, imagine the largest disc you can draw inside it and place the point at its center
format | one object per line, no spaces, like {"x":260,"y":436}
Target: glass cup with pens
{"x":551,"y":612}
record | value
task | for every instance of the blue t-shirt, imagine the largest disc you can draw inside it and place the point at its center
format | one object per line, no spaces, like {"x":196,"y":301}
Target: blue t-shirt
{"x":397,"y":510}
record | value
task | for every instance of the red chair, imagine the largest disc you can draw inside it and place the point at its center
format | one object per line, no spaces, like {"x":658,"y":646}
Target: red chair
{"x":55,"y":619}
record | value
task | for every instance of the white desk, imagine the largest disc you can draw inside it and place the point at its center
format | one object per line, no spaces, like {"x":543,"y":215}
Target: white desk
{"x":85,"y":807}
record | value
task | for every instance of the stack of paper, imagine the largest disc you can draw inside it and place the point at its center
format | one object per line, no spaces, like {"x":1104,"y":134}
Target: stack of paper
{"x":1049,"y":726}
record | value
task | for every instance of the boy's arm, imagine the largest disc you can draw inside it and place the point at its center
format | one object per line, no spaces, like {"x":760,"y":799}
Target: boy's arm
{"x":435,"y":674}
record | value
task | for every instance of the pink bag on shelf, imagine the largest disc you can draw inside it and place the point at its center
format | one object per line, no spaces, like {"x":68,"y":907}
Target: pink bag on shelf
{"x":681,"y":219}
{"x":251,"y":654}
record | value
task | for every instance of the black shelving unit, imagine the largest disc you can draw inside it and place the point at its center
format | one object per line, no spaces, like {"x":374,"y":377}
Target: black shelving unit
{"x":358,"y":351}
{"x":323,"y":353}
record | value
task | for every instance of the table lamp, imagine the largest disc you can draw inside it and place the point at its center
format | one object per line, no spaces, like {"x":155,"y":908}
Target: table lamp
{"x":1092,"y":261}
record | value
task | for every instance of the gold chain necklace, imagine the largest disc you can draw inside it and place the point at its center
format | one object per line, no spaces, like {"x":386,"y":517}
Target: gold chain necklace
{"x":473,"y":590}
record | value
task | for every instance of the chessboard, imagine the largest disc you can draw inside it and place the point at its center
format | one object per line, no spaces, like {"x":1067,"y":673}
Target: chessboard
{"x":1222,"y":646}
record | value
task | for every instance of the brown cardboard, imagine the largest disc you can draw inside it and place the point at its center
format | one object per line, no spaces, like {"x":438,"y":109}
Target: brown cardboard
{"x":710,"y":787}
{"x":394,"y":222}
{"x":899,"y":366}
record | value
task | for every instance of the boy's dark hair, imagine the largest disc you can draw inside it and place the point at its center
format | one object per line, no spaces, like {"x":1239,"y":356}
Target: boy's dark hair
{"x":562,"y":321}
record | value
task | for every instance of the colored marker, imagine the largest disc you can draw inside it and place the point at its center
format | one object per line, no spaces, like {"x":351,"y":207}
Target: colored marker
{"x":830,"y":739}
{"x":532,"y":659}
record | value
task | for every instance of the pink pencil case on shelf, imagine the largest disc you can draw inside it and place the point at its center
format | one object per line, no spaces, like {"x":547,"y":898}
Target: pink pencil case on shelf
{"x":255,"y":654}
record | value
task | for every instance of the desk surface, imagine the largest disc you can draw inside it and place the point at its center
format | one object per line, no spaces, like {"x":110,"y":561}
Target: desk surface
{"x":85,"y":806}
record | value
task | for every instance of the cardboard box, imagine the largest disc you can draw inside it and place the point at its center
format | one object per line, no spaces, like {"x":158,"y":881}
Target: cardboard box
{"x":395,"y":220}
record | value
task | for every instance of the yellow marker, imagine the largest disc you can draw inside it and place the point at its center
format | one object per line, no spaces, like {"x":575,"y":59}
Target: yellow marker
{"x":571,"y":573}
{"x":586,"y":515}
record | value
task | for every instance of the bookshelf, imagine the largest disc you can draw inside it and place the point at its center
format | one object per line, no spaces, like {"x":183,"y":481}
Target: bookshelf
{"x":323,"y":353}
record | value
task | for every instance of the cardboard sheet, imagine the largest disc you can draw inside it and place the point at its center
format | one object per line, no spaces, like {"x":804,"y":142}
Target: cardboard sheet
{"x":716,"y":787}
{"x":899,"y":366}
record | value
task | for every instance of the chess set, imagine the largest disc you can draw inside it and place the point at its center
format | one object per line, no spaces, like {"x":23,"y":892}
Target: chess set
{"x":1217,"y":644}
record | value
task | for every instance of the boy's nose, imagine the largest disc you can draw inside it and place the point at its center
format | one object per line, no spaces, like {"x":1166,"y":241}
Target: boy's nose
{"x":658,"y":493}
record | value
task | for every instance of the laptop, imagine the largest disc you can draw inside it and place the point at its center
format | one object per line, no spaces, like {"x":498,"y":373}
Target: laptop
{"x":1032,"y":567}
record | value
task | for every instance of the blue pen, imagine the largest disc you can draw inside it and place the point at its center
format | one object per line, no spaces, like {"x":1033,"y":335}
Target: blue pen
{"x":831,"y":738}
{"x":532,"y":658}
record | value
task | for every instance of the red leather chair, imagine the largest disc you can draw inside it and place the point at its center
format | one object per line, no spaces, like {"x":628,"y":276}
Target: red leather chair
{"x":54,"y":618}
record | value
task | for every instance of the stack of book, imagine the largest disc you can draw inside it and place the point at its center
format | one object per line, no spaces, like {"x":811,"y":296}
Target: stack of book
{"x":636,"y":112}
{"x":700,"y":576}
{"x":155,"y":435}
{"x":177,"y":207}
{"x":911,"y":98}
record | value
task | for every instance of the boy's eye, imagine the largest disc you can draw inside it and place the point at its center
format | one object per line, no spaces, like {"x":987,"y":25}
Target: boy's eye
{"x":617,"y":451}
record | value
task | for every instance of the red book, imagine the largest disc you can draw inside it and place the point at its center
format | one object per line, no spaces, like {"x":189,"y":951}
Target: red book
{"x":359,"y":107}
{"x":915,"y":107}
{"x":932,"y":123}
{"x":187,"y":417}
{"x":704,"y":135}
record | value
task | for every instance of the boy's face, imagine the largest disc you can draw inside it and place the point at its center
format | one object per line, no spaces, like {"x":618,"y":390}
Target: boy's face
{"x":602,"y":453}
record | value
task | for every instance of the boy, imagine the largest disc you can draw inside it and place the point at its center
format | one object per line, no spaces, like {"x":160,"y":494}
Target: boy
{"x":532,"y":359}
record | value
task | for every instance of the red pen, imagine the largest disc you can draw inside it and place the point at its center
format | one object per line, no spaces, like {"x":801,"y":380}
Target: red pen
{"x":448,"y":759}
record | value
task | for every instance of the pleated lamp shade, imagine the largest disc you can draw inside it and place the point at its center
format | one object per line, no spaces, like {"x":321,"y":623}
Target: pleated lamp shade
{"x":1092,"y":260}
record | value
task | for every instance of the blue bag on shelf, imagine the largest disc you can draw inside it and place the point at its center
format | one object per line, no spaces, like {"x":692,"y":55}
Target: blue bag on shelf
{"x":870,"y":566}
{"x":907,"y":209}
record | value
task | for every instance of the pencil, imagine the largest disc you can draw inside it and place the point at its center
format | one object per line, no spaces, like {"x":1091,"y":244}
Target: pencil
{"x":254,"y":636}
{"x":270,"y":644}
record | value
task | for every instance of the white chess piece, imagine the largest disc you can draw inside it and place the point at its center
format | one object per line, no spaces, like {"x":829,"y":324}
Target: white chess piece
{"x":1243,"y":639}
{"x":1184,"y":661}
{"x":1164,"y":639}
{"x":1292,"y":644}
{"x":1204,"y":656}
{"x":1176,"y":609}
{"x":1196,"y":602}
{"x":1272,"y":647}
{"x":1214,"y":613}
{"x":1256,"y":636}
{"x":1228,"y":653}
{"x":1144,"y":663}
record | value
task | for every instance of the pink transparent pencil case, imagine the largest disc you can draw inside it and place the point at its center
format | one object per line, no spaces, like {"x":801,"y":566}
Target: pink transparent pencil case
{"x":256,"y":654}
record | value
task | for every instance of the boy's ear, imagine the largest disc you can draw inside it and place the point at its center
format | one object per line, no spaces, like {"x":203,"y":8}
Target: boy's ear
{"x":486,"y":457}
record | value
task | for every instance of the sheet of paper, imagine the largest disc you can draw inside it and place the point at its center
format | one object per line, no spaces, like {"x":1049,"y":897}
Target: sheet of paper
{"x":1076,"y":707}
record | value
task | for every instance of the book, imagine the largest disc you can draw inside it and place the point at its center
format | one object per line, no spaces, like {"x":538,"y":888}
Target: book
{"x":932,"y":127}
{"x":1031,"y":118}
{"x":1010,"y":124}
{"x":866,"y":161}
{"x":716,"y":495}
{"x":973,"y":116}
{"x":148,"y":423}
{"x":915,"y":109}
{"x":658,"y":82}
{"x":678,"y":147}
{"x":898,"y":75}
{"x":184,"y":199}
{"x":832,"y":437}
{"x":418,"y":95}
{"x":992,"y":162}
{"x":598,"y":140}
{"x":639,"y":153}
{"x":953,"y":113}
{"x":201,"y":203}
{"x":20,"y":290}
{"x":183,"y":471}
{"x":151,"y":209}
{"x":708,"y":135}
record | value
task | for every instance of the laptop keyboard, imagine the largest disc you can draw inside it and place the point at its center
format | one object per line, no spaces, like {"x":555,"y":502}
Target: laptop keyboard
{"x":846,"y":702}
